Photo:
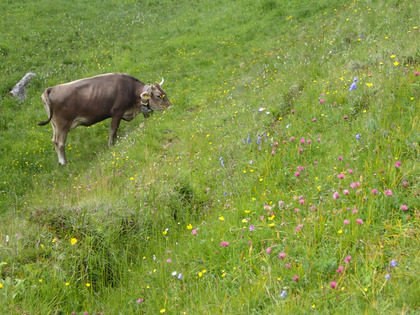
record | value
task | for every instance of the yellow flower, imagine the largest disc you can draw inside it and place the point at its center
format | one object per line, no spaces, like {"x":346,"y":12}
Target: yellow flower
{"x":200,"y":274}
{"x":67,"y":284}
{"x":88,"y":284}
{"x":340,"y":231}
{"x":1,"y":285}
{"x":222,"y":219}
{"x":244,"y":220}
{"x":247,"y":211}
{"x":162,"y":310}
{"x":396,"y":63}
{"x":369,"y":84}
{"x":319,"y":188}
{"x":393,"y":56}
{"x":73,"y":241}
{"x":189,"y":226}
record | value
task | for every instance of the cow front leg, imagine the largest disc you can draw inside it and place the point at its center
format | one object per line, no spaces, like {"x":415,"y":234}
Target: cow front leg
{"x":59,"y":140}
{"x":115,"y":123}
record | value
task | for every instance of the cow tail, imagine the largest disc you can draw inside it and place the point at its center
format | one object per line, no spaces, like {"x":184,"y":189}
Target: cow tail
{"x":47,"y":104}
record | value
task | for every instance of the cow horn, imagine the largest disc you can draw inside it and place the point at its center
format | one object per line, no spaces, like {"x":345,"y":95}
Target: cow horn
{"x":161,"y":82}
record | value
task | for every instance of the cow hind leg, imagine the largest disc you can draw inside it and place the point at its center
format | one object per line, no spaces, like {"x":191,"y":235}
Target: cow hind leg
{"x":59,"y":140}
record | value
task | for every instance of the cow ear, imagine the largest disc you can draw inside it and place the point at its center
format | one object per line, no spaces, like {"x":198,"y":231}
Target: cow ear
{"x":145,"y":96}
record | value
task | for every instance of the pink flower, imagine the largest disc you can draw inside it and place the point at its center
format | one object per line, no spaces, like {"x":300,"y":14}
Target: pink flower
{"x":359,"y":221}
{"x":292,"y":112}
{"x":336,"y":195}
{"x":333,"y":284}
{"x":405,"y":184}
{"x":340,"y":158}
{"x":302,"y":202}
{"x":350,"y":171}
{"x":309,"y":142}
{"x":282,"y":255}
{"x":295,"y":278}
{"x":404,"y":207}
{"x":318,"y":140}
{"x":268,"y":250}
{"x":297,"y":174}
{"x":316,"y":163}
{"x":355,"y":211}
{"x":321,"y":101}
{"x":140,"y":301}
{"x":194,"y":232}
{"x":169,"y":261}
{"x":346,"y":222}
{"x":345,"y":192}
{"x":224,"y":244}
{"x":347,"y":259}
{"x":281,"y":203}
{"x":302,"y":140}
{"x":388,"y":192}
{"x":291,"y":139}
{"x":340,"y":269}
{"x":346,"y":117}
{"x":416,"y":73}
{"x":297,"y":210}
{"x":314,"y":119}
{"x":287,"y":266}
{"x":299,"y":227}
{"x":397,"y":164}
{"x":341,"y":176}
{"x":374,"y":191}
{"x":353,"y":185}
{"x":313,"y":208}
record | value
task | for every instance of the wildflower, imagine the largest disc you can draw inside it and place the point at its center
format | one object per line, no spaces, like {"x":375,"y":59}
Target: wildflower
{"x":268,"y":250}
{"x":283,"y":294}
{"x":347,"y":259}
{"x":297,"y":210}
{"x":416,"y":73}
{"x":162,"y":310}
{"x":282,"y":255}
{"x":295,"y":278}
{"x":346,"y":222}
{"x":73,"y":241}
{"x":396,"y":63}
{"x":321,"y":101}
{"x":346,"y":117}
{"x":221,"y":161}
{"x":340,"y":158}
{"x":288,"y":265}
{"x":353,"y":185}
{"x":353,"y":86}
{"x":333,"y":284}
{"x":179,"y":276}
{"x":194,"y":232}
{"x":169,"y":261}
{"x":336,"y":195}
{"x":374,"y":191}
{"x":397,"y":164}
{"x":251,"y":228}
{"x":359,"y":221}
{"x":314,"y":119}
{"x":189,"y":226}
{"x":292,"y":139}
{"x":355,"y":211}
{"x":358,"y":136}
{"x":350,"y":171}
{"x":388,"y":192}
{"x":345,"y":192}
{"x":222,"y":219}
{"x":404,"y":207}
{"x":140,"y":301}
{"x":299,"y":227}
{"x":297,"y":174}
{"x":341,"y":176}
{"x":340,"y":269}
{"x":387,"y":276}
{"x":394,"y":263}
{"x":88,"y":284}
{"x":281,"y":203}
{"x":224,"y":244}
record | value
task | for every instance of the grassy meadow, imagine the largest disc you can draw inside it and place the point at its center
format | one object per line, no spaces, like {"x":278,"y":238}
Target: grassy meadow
{"x":284,"y":180}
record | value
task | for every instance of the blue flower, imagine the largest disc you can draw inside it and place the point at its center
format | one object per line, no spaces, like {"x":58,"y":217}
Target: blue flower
{"x":358,"y":136}
{"x":387,"y":276}
{"x":221,"y":161}
{"x":353,"y":86}
{"x":394,"y":263}
{"x":258,"y":140}
{"x":249,"y":139}
{"x":283,"y":294}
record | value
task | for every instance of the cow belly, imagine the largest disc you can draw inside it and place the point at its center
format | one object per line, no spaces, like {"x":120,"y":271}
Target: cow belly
{"x":79,"y":121}
{"x":130,"y":114}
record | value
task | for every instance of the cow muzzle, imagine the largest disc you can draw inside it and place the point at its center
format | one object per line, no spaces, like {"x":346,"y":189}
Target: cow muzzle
{"x":145,"y":109}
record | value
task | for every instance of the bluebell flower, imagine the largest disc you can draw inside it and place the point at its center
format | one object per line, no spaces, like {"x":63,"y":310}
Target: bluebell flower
{"x":221,"y":161}
{"x":387,"y":276}
{"x":259,"y":140}
{"x":353,"y":86}
{"x":358,"y":136}
{"x":249,"y":139}
{"x":394,"y":263}
{"x":283,"y":294}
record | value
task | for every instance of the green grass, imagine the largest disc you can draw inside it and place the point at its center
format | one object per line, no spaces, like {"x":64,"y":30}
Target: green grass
{"x":262,"y":86}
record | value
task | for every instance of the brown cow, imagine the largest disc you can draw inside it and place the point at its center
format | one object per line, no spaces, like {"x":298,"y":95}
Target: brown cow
{"x":88,"y":101}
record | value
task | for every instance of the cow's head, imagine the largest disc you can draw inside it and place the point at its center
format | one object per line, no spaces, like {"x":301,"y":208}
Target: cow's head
{"x":155,"y":98}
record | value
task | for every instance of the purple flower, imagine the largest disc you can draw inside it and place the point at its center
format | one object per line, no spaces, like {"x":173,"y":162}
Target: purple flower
{"x":353,"y":86}
{"x":358,"y":136}
{"x":387,"y":276}
{"x":394,"y":263}
{"x":251,"y":228}
{"x":397,"y":164}
{"x":282,"y":255}
{"x":221,"y":161}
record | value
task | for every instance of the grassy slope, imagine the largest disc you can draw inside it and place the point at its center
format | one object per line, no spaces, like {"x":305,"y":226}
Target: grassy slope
{"x":221,"y":62}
